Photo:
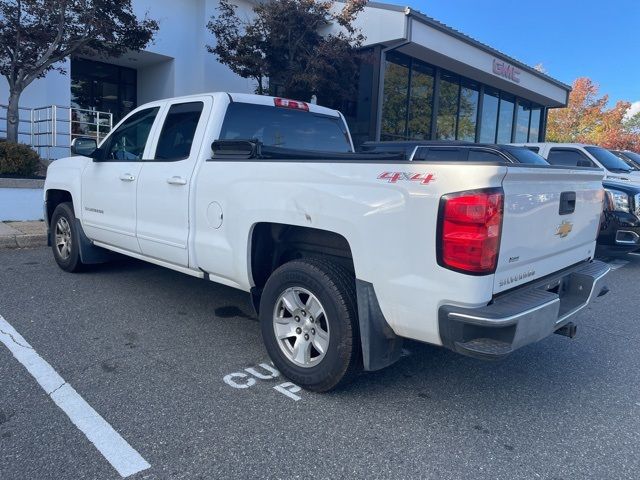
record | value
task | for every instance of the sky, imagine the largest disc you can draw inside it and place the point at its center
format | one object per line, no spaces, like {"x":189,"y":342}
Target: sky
{"x":571,"y":38}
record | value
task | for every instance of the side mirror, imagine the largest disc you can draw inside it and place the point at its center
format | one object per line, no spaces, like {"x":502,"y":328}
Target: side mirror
{"x":584,"y":163}
{"x":83,"y":146}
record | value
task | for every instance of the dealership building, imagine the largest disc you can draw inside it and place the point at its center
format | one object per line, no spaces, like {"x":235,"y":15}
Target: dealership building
{"x":420,"y":80}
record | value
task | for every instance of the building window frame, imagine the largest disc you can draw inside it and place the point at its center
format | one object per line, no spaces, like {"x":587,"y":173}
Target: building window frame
{"x":435,"y":102}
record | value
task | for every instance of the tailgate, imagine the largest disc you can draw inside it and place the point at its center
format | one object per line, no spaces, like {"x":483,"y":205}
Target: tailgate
{"x":551,"y":221}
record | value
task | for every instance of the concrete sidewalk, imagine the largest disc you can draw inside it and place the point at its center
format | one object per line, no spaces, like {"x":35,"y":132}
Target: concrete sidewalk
{"x":23,"y":234}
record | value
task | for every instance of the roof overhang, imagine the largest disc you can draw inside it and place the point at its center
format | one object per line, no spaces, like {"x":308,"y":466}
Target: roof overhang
{"x":415,"y":34}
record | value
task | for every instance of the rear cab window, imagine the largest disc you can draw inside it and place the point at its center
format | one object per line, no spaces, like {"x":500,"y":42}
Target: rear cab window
{"x":285,"y":128}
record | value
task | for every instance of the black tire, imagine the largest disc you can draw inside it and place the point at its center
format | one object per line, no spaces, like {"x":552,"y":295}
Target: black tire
{"x":334,"y":287}
{"x":72,"y":263}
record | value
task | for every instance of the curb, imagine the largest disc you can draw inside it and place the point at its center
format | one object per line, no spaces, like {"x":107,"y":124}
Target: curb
{"x":22,"y":235}
{"x":22,"y":241}
{"x":29,"y":183}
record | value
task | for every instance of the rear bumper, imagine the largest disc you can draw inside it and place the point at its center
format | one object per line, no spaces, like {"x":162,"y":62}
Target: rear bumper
{"x":522,"y":316}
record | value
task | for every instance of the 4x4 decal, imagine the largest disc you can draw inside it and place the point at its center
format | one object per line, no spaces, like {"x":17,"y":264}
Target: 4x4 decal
{"x":395,"y":177}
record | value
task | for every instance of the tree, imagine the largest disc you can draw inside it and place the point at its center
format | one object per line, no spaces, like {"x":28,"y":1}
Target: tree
{"x":36,"y":35}
{"x":300,"y":48}
{"x":632,"y":123}
{"x":588,"y":119}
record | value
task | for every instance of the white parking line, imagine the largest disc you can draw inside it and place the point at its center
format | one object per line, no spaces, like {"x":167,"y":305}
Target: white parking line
{"x":109,"y":443}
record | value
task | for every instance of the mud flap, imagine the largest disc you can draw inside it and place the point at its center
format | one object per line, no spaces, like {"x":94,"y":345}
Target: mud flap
{"x":381,"y":347}
{"x":89,"y":253}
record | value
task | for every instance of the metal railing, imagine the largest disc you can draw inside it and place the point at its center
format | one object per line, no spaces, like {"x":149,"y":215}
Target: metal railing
{"x":50,"y":130}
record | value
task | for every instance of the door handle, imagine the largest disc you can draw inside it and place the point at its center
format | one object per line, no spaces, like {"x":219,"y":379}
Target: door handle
{"x":127,"y":177}
{"x":567,"y":203}
{"x":177,"y":181}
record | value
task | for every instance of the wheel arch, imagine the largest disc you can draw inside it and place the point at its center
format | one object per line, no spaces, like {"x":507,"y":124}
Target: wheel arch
{"x":53,"y":198}
{"x":89,"y":253}
{"x":273,"y":244}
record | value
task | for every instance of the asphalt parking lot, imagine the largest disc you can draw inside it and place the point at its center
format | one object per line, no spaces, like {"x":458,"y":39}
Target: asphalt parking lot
{"x":173,"y":365}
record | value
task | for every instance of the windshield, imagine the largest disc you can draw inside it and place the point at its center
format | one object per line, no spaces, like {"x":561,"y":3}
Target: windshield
{"x":524,"y":155}
{"x":608,"y":159}
{"x":285,"y":128}
{"x":633,"y":156}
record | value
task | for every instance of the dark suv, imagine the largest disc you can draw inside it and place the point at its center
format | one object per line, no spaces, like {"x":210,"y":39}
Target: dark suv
{"x":620,"y":228}
{"x":450,"y":151}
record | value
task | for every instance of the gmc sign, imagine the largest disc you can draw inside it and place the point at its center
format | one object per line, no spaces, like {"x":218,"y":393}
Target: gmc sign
{"x":503,"y":69}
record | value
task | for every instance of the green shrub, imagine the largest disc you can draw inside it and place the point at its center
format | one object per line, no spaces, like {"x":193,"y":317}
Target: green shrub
{"x":18,"y":159}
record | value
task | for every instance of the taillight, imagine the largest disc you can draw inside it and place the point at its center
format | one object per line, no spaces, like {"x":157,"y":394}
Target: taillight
{"x":294,"y":104}
{"x":469,"y":231}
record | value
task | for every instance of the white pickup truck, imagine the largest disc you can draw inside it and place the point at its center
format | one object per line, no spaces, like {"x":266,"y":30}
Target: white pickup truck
{"x":344,"y":254}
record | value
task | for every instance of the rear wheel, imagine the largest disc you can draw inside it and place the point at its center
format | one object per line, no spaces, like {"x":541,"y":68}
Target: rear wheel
{"x":309,"y":323}
{"x":64,"y":238}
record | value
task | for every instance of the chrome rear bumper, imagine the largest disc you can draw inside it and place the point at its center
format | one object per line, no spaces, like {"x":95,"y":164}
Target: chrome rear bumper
{"x":522,"y":316}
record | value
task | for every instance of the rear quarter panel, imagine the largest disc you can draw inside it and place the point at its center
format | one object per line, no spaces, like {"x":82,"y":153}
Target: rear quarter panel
{"x":390,"y":226}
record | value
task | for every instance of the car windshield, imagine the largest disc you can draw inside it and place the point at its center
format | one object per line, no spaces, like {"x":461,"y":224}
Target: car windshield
{"x":635,"y":157}
{"x":608,"y":160}
{"x":524,"y":155}
{"x":626,"y":159}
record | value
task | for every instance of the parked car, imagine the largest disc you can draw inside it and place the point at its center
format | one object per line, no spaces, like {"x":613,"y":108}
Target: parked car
{"x":455,"y":151}
{"x":580,"y":155}
{"x":630,"y":158}
{"x":344,"y":254}
{"x":619,"y":232}
{"x":620,"y":229}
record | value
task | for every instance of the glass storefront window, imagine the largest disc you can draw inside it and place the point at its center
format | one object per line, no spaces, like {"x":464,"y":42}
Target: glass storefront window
{"x":396,"y":93}
{"x":489,"y":120}
{"x":448,"y":107}
{"x":505,"y":118}
{"x":468,"y":115}
{"x":534,"y":128}
{"x":420,"y":102}
{"x":103,"y":87}
{"x":408,"y":103}
{"x":522,"y":121}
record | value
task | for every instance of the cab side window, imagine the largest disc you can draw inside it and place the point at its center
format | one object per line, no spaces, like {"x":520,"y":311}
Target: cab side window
{"x":484,"y":156}
{"x":128,"y":141}
{"x":436,"y":154}
{"x":568,"y":158}
{"x":176,"y":137}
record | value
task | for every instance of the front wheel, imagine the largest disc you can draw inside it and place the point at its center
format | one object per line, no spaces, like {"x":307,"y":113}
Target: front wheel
{"x":309,"y":323}
{"x":64,"y":238}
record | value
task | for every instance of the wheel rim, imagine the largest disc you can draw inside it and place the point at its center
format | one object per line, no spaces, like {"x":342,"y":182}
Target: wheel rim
{"x":301,"y":327}
{"x":63,"y":238}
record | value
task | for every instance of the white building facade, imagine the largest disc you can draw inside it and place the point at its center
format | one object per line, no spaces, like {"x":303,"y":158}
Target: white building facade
{"x":420,"y":80}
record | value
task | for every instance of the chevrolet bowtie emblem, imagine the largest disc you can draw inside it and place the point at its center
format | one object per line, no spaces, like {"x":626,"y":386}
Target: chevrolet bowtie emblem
{"x":564,"y":229}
